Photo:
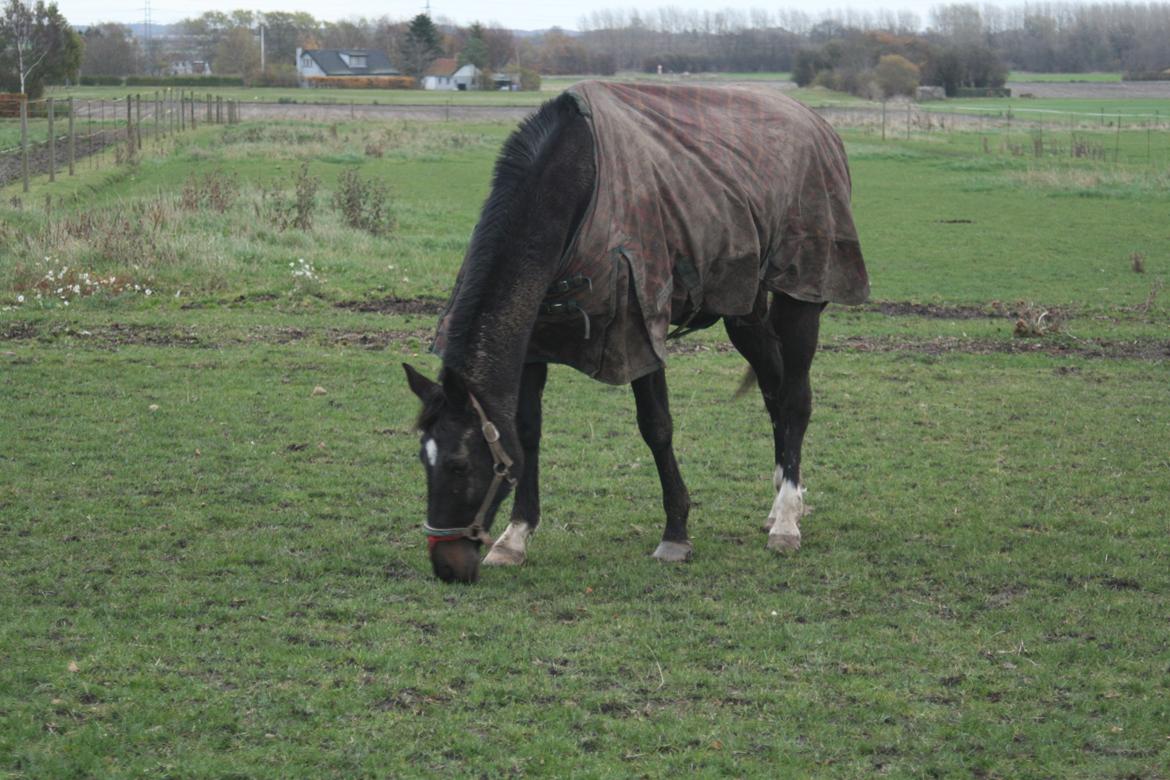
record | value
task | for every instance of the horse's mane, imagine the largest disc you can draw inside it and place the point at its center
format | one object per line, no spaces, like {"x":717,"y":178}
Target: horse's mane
{"x":521,"y":154}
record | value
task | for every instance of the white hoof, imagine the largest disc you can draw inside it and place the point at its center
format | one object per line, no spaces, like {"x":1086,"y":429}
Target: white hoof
{"x":503,"y":556}
{"x":782,"y":543}
{"x":674,"y":552}
{"x":511,"y":548}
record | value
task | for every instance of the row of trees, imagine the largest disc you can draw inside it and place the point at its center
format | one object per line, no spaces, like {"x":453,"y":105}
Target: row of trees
{"x":1036,"y":36}
{"x":963,"y":44}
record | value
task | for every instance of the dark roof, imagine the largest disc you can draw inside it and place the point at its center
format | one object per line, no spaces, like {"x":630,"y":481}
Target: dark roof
{"x":330,"y":61}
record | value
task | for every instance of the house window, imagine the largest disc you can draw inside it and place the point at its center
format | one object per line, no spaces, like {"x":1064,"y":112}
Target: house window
{"x":357,"y":60}
{"x":306,"y":61}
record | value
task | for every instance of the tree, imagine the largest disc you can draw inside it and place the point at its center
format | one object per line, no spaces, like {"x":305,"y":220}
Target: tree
{"x":110,"y":50}
{"x":238,"y":52}
{"x":421,"y":46}
{"x":896,"y":75}
{"x":36,"y":45}
{"x":475,"y":50}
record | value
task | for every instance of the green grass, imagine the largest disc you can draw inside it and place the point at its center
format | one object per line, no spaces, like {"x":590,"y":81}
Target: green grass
{"x":207,"y":570}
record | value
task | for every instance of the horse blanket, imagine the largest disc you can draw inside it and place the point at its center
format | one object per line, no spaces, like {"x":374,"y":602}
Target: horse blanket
{"x":704,"y":199}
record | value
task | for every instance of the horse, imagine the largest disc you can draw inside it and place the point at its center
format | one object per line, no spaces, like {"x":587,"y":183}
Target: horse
{"x":617,"y":211}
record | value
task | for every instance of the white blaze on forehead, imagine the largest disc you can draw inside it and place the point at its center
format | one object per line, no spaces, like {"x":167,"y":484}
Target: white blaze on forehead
{"x":432,"y":451}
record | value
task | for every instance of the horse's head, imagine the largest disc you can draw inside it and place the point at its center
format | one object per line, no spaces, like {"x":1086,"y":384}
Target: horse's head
{"x":468,"y":473}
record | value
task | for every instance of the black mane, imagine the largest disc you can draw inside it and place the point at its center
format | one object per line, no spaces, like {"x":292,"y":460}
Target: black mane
{"x":521,"y":154}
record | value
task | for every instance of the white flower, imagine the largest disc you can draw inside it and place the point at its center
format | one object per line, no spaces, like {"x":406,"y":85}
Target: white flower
{"x":148,"y":291}
{"x":20,"y":299}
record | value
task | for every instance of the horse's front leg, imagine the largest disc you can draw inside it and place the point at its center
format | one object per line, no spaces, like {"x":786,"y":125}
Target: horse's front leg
{"x":651,"y":399}
{"x":511,"y":548}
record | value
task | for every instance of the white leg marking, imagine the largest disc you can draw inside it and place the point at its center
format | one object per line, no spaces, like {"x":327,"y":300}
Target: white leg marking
{"x":432,"y":451}
{"x":511,"y":548}
{"x":777,"y":483}
{"x":785,"y":517}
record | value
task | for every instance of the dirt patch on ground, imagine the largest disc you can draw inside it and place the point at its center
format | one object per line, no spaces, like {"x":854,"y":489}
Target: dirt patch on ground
{"x":119,"y":335}
{"x":394,"y":305}
{"x":1145,"y":349}
{"x":1092,"y":89}
{"x":939,"y":311}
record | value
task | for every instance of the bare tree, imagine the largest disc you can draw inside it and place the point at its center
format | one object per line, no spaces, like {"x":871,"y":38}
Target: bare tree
{"x":36,"y":43}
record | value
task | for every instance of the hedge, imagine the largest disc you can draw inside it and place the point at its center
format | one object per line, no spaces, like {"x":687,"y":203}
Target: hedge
{"x":184,"y":81}
{"x":982,"y":92}
{"x":100,"y":81}
{"x":10,"y":103}
{"x":361,"y":82}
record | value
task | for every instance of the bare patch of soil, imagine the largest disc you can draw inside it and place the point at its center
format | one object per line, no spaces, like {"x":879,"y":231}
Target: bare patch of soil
{"x":394,"y":305}
{"x":1085,"y":348}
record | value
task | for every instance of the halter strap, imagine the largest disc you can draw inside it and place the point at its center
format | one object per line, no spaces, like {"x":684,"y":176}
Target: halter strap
{"x":501,"y":472}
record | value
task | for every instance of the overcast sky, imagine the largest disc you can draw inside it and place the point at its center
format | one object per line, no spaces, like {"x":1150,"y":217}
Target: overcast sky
{"x":508,"y":13}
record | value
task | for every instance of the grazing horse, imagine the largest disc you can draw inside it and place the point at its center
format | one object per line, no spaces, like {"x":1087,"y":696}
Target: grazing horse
{"x":616,"y":211}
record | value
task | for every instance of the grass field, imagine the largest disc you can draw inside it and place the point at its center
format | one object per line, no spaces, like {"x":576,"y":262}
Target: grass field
{"x":208,"y":568}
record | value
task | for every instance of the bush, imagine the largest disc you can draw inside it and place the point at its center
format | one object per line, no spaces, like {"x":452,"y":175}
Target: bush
{"x":1151,"y":75}
{"x":677,"y":63}
{"x":896,"y":75}
{"x":282,"y":75}
{"x":362,"y":204}
{"x":297,"y":213}
{"x":361,"y":82}
{"x":184,"y":81}
{"x":100,"y":81}
{"x":529,"y":80}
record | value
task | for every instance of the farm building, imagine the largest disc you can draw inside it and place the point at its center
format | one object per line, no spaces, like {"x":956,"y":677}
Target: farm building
{"x":446,"y":74}
{"x":330,"y":63}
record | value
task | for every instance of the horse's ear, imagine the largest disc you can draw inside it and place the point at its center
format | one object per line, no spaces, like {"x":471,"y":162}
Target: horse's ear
{"x":424,"y":388}
{"x":454,"y":388}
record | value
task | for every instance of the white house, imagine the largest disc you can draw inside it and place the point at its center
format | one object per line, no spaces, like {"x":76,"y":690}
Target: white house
{"x":323,"y":63}
{"x":438,"y":74}
{"x":445,"y":74}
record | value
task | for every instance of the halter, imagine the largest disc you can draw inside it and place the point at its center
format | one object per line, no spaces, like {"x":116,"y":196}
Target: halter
{"x":501,"y":472}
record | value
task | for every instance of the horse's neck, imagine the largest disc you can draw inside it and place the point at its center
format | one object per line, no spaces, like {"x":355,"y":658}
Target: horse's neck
{"x":551,"y":209}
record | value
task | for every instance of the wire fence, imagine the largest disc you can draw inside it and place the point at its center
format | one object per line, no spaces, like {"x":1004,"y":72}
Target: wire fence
{"x":54,"y":136}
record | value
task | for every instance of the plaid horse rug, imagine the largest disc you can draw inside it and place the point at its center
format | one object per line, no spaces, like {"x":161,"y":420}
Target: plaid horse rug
{"x":704,"y":199}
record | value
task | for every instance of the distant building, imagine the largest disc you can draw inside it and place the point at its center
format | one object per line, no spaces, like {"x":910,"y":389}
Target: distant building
{"x":324,"y":63}
{"x":438,"y":74}
{"x":189,"y":68}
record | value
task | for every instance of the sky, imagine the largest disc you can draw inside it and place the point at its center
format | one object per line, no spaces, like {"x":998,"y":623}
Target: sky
{"x":508,"y":13}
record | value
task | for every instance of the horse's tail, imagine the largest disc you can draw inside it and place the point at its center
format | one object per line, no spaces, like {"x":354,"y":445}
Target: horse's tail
{"x":745,"y":384}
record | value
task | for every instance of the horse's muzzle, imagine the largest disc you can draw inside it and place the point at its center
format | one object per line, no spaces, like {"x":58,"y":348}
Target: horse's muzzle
{"x":456,"y":560}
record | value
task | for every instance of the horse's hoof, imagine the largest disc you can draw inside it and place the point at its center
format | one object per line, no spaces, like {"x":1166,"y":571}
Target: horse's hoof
{"x":503,"y":556}
{"x":673,"y":552}
{"x":782,"y":543}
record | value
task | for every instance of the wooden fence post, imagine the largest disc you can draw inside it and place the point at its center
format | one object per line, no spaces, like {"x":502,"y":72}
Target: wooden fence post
{"x":138,"y":121}
{"x":194,"y":100}
{"x":72,"y":139}
{"x":24,"y":141}
{"x":52,"y":142}
{"x":131,"y":146}
{"x":182,"y":109}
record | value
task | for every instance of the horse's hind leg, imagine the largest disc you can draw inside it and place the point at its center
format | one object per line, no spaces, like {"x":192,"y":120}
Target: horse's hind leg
{"x":797,"y":324}
{"x":780,"y":352}
{"x":657,"y":428}
{"x":755,"y":340}
{"x":511,"y":548}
